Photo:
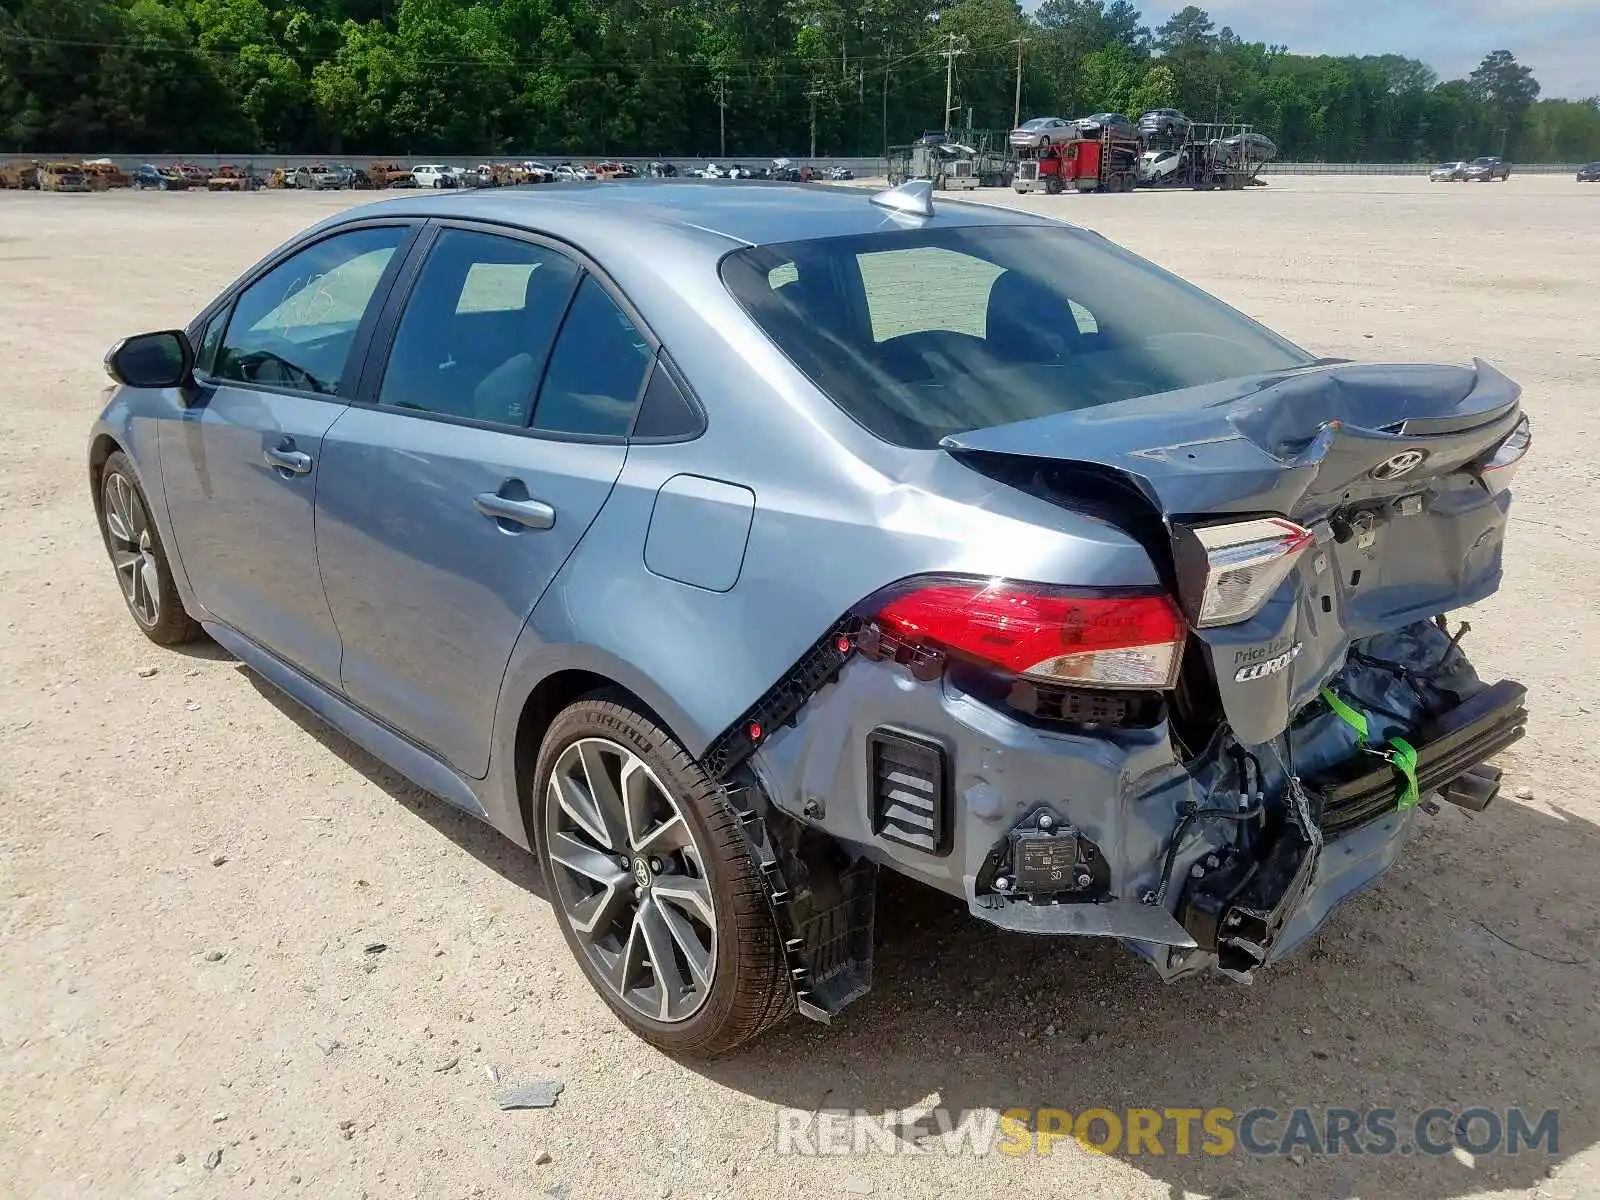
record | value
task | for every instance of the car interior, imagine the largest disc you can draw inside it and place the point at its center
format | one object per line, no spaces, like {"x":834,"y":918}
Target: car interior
{"x":477,"y":331}
{"x":999,"y":344}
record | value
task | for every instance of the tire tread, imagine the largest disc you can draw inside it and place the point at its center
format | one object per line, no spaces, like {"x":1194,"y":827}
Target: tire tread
{"x":762,"y":995}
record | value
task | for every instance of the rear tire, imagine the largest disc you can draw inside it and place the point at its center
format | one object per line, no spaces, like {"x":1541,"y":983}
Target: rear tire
{"x":138,"y":557}
{"x":613,"y":788}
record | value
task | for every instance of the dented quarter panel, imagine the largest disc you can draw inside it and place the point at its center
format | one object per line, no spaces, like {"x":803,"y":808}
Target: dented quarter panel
{"x":1120,"y":788}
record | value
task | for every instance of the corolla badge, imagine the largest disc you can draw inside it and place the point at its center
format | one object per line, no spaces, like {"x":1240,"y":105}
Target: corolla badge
{"x":1260,"y":667}
{"x":1401,"y":464}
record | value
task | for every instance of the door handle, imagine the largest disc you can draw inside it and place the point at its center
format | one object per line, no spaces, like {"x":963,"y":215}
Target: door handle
{"x":533,"y":514}
{"x":296,"y":462}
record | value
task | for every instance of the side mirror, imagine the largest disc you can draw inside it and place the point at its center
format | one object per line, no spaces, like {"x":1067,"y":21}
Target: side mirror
{"x":152,"y":360}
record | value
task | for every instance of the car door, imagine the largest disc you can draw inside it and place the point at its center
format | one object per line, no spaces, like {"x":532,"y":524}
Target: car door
{"x":487,"y":435}
{"x":242,"y":464}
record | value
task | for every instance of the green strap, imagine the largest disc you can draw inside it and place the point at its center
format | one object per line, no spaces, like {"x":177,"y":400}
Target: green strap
{"x":1404,"y":760}
{"x":1402,"y":757}
{"x":1356,"y":720}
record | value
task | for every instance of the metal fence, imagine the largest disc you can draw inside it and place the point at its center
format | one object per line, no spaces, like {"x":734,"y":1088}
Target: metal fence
{"x":1329,"y":168}
{"x":865,"y":167}
{"x":264,"y":163}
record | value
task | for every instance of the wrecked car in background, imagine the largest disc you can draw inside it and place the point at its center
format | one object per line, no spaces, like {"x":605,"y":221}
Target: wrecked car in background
{"x":1077,"y":595}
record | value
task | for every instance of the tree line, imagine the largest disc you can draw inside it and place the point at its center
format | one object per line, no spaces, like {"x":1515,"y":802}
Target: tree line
{"x":712,"y":77}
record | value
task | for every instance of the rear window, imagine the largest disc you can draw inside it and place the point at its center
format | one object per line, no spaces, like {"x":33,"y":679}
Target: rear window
{"x":920,"y":334}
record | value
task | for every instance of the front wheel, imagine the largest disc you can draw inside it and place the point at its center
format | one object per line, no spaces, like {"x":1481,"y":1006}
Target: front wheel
{"x":138,"y":557}
{"x":652,"y":882}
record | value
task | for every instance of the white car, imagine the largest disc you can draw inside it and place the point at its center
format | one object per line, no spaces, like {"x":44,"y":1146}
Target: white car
{"x":1448,"y":172}
{"x":1157,"y":165}
{"x":434,"y":175}
{"x":567,"y":173}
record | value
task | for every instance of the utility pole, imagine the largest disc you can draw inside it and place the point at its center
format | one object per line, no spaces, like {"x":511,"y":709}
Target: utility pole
{"x":722,"y":116}
{"x":816,"y":90}
{"x":887,"y":64}
{"x":950,"y":53}
{"x":1016,"y":108}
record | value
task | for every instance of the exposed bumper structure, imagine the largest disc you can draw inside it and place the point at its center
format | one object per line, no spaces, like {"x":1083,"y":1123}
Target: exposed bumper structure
{"x":1103,"y":832}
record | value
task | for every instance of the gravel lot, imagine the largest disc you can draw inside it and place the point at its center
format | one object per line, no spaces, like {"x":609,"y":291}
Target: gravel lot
{"x":191,"y":871}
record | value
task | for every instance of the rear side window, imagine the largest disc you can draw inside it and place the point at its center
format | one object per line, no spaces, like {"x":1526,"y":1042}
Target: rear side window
{"x":596,"y":370}
{"x":920,"y":334}
{"x":477,"y":328}
{"x":294,"y":327}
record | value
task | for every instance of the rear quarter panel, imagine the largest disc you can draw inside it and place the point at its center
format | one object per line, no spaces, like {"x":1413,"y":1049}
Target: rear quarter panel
{"x":837,"y":516}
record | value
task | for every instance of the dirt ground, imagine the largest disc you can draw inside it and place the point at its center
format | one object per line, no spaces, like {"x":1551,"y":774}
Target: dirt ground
{"x":191,"y":871}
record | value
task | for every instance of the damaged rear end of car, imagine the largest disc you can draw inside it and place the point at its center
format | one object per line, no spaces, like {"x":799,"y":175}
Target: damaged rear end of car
{"x":1201,"y":761}
{"x":1315,"y":532}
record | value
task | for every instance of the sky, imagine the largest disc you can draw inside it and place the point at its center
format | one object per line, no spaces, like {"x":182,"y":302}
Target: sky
{"x":1559,"y":39}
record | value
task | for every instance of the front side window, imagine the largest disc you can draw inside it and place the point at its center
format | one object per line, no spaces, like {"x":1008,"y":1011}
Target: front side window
{"x":477,"y":328}
{"x":596,"y":370}
{"x":921,"y":334}
{"x":294,"y":327}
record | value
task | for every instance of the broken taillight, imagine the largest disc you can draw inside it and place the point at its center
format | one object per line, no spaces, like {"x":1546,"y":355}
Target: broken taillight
{"x":1242,"y":564}
{"x":1063,"y":635}
{"x":1502,"y":465}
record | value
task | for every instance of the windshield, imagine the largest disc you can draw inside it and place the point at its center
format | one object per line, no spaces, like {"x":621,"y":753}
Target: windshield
{"x":919,"y":334}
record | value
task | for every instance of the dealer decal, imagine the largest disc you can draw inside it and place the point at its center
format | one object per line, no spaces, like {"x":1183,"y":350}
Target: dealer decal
{"x":1280,"y":656}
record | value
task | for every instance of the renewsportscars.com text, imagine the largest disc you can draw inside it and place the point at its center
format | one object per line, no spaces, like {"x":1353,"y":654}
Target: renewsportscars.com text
{"x":1139,"y":1132}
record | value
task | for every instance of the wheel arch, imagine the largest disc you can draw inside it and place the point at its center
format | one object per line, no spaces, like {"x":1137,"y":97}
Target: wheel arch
{"x":553,"y":693}
{"x":101,"y":447}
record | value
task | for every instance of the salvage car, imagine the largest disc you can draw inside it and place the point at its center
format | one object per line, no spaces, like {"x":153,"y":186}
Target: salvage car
{"x":433,"y":175}
{"x":104,"y":175}
{"x":162,"y":179}
{"x":1487,"y":169}
{"x":1107,"y":124}
{"x":63,"y":177}
{"x":1164,"y":124}
{"x":1448,"y":172}
{"x":19,"y":175}
{"x":1154,"y":648}
{"x":1245,"y":148}
{"x":231,"y":178}
{"x":390,"y":174}
{"x":1589,"y":173}
{"x":1041,"y":133}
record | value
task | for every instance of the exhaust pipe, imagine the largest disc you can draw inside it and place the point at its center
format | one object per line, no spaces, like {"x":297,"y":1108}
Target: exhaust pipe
{"x":1475,"y":790}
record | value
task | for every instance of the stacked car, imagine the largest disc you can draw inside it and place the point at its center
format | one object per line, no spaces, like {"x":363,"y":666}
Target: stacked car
{"x":1107,"y":151}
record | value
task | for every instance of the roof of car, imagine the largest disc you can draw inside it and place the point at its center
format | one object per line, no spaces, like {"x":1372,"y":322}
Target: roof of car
{"x":753,"y":212}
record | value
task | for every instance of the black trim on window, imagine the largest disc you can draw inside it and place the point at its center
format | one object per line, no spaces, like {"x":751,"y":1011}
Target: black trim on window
{"x":693,"y":412}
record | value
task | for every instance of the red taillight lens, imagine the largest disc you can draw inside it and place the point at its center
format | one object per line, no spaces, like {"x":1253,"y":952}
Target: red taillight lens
{"x":1056,"y":634}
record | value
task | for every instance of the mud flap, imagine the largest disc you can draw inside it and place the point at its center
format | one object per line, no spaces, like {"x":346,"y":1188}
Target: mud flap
{"x":823,"y":903}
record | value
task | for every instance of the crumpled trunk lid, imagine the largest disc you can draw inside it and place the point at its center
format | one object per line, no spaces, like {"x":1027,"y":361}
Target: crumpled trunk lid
{"x":1378,"y":462}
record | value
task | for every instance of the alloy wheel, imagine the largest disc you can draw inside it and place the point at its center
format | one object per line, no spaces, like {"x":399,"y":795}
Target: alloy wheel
{"x":630,"y":880}
{"x":129,"y":538}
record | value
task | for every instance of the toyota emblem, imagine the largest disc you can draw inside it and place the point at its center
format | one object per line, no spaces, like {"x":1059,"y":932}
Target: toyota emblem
{"x":1401,"y":464}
